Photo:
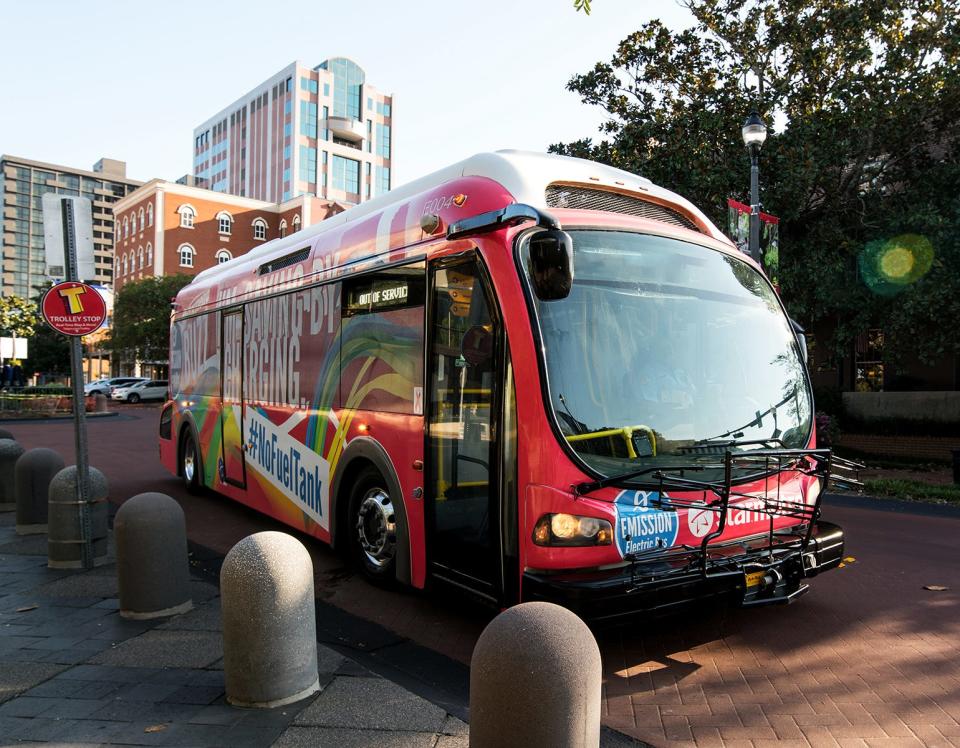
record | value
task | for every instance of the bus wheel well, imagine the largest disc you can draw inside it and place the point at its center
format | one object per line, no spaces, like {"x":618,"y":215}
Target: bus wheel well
{"x":341,"y":533}
{"x":364,"y":454}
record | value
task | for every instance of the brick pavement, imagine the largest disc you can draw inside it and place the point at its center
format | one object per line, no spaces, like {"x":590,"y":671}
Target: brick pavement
{"x":867,"y":658}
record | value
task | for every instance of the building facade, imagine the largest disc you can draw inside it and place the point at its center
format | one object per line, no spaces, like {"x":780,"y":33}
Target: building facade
{"x":166,"y":228}
{"x":321,"y":131}
{"x":21,"y":194}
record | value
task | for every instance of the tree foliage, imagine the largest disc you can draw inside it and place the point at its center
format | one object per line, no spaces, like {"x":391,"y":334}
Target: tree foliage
{"x":49,"y":350}
{"x":18,"y":317}
{"x":865,"y":97}
{"x":141,"y":318}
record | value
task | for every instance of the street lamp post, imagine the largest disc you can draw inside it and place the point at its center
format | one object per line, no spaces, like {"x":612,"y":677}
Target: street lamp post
{"x":754,"y":133}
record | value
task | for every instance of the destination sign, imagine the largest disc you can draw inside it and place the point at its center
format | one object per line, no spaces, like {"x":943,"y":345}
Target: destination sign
{"x":380,"y":293}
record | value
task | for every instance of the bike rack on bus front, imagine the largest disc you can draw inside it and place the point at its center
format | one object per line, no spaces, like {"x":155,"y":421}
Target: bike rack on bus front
{"x":748,"y":467}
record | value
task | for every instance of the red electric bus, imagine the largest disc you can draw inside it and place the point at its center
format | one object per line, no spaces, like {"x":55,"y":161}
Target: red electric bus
{"x":530,"y":376}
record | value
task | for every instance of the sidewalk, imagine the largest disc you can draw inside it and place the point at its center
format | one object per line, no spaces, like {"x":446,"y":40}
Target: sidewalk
{"x":73,"y":672}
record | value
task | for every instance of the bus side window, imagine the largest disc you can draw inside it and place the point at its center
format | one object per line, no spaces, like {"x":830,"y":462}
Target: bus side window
{"x":381,"y":359}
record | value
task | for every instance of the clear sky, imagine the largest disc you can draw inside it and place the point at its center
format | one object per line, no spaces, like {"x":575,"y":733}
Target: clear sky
{"x":82,"y":80}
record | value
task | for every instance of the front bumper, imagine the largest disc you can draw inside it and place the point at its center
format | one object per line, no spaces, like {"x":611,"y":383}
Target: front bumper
{"x":747,"y":572}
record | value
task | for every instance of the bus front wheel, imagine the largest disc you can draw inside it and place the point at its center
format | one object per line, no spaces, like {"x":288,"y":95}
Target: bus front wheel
{"x":373,"y":527}
{"x":190,"y":462}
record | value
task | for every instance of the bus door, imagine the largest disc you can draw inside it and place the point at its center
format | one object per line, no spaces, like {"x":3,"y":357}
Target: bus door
{"x":465,"y":345}
{"x":231,"y":413}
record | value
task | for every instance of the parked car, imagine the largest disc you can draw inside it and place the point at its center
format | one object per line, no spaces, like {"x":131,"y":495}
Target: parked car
{"x":106,"y":386}
{"x":148,"y":389}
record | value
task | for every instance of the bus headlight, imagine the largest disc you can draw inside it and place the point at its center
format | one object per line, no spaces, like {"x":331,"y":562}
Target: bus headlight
{"x":571,"y":530}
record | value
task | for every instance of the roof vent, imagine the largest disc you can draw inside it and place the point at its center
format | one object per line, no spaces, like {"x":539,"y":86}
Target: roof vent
{"x":587,"y":198}
{"x":284,"y":262}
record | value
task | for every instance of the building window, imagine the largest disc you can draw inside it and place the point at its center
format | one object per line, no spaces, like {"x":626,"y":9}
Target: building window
{"x":308,"y":119}
{"x":308,"y":164}
{"x":346,"y":175}
{"x":186,"y":255}
{"x":126,"y":228}
{"x":223,"y":256}
{"x":124,"y":263}
{"x":149,"y":255}
{"x":140,"y":258}
{"x":143,"y":219}
{"x":383,"y":179}
{"x":868,"y":361}
{"x":259,"y":229}
{"x":296,"y":223}
{"x":150,"y":215}
{"x":224,"y":222}
{"x":383,"y":140}
{"x":187,"y":214}
{"x":283,"y":228}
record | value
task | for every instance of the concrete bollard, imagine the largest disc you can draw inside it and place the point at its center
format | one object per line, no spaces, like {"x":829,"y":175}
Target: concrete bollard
{"x":99,"y":403}
{"x":269,"y":621}
{"x":64,"y":538}
{"x":4,"y":434}
{"x":153,"y":571}
{"x":535,"y":680}
{"x":10,"y":451}
{"x":31,"y":480}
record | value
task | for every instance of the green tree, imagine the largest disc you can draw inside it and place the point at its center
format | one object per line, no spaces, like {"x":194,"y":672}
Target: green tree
{"x":141,"y":318}
{"x":49,"y":350}
{"x":18,"y":316}
{"x":866,"y":99}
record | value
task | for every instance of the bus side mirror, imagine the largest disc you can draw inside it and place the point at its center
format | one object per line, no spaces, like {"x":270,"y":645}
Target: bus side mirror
{"x":801,"y":338}
{"x":551,"y":264}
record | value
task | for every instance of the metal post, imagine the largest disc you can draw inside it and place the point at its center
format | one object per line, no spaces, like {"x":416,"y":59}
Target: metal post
{"x":79,"y":413}
{"x":754,"y":203}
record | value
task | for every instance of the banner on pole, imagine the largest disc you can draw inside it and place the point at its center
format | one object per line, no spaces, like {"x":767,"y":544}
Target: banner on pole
{"x":738,"y":229}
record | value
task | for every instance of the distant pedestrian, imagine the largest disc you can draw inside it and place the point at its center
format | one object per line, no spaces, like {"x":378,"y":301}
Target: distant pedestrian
{"x":16,"y":375}
{"x":5,"y":376}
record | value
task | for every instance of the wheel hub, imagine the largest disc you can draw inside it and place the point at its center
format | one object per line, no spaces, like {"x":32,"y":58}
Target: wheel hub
{"x":377,"y":527}
{"x":188,"y":465}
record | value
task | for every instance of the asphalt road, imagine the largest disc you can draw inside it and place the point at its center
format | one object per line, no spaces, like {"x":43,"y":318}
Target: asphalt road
{"x":868,"y":657}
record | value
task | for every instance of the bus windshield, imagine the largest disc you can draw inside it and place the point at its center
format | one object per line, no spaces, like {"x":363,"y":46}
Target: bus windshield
{"x":668,"y":353}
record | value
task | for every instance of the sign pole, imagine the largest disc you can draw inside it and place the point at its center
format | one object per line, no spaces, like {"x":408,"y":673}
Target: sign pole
{"x":79,"y":409}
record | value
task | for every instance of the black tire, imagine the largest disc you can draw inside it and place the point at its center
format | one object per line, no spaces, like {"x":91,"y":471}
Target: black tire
{"x":190,"y":463}
{"x":133,"y":398}
{"x":372,"y":529}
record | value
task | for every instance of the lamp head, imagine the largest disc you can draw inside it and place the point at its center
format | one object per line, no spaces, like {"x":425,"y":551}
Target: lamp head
{"x":754,"y":131}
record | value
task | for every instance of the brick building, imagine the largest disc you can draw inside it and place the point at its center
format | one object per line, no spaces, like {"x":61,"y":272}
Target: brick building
{"x":165,"y":228}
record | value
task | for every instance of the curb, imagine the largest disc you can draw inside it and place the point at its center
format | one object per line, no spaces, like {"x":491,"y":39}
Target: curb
{"x":33,"y":419}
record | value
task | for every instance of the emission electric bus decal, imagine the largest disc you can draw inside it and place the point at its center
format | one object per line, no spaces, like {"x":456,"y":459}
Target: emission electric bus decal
{"x":640,"y":525}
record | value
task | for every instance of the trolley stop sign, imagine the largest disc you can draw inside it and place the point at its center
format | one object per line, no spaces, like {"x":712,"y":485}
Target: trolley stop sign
{"x":73,"y":308}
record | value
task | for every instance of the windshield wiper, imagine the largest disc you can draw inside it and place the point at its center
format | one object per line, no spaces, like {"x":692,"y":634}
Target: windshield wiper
{"x":587,"y":486}
{"x":713,"y":445}
{"x":756,"y":422}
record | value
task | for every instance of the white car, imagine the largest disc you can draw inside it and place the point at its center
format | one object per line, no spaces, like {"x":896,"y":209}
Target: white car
{"x":106,"y":386}
{"x":148,"y":389}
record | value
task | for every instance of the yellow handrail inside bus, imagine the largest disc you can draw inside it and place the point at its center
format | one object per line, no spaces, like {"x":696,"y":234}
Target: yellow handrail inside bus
{"x":626,"y":432}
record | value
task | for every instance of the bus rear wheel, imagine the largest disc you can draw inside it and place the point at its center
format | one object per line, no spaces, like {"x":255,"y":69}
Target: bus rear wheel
{"x":373,"y":527}
{"x":190,"y":462}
